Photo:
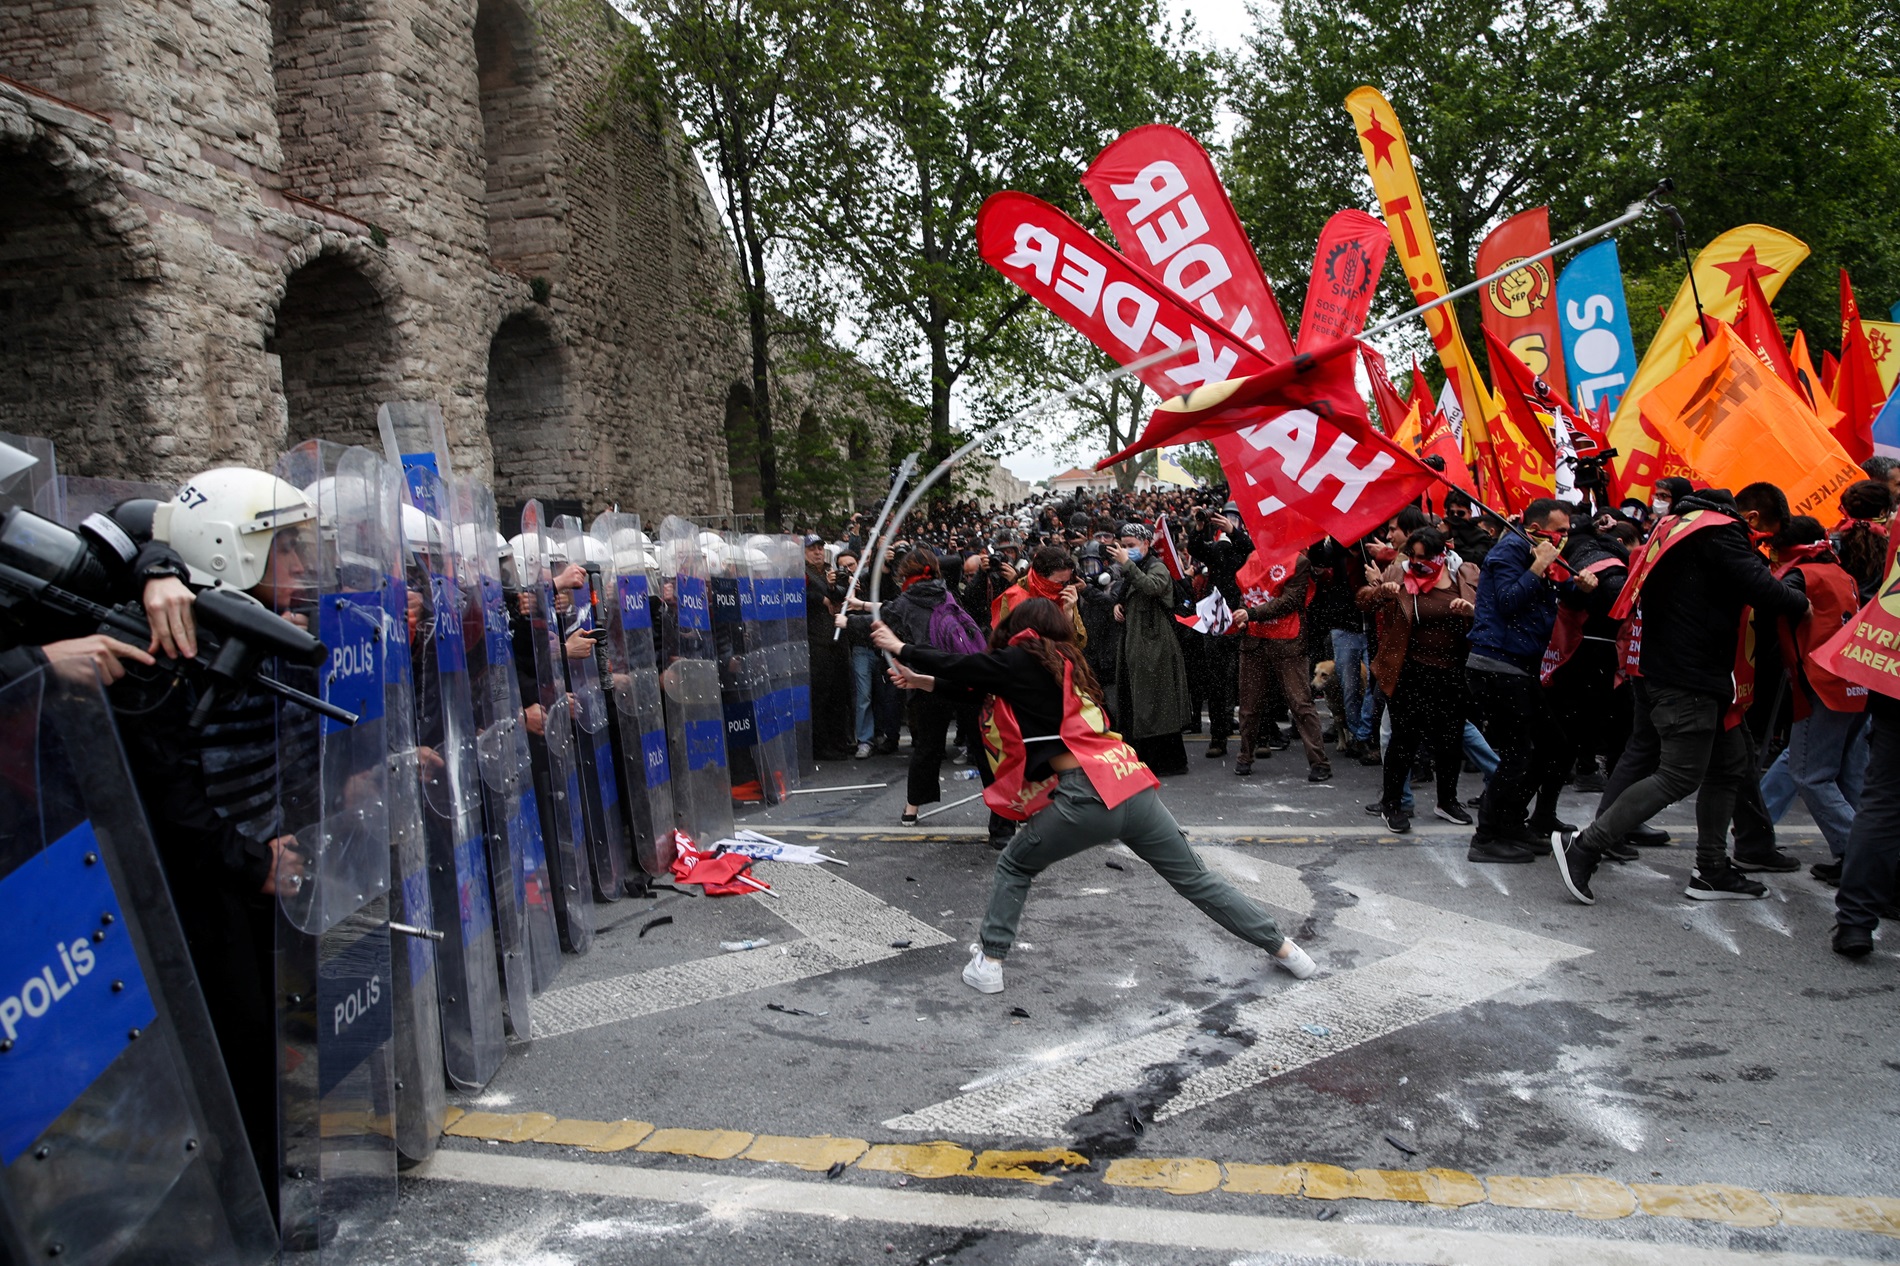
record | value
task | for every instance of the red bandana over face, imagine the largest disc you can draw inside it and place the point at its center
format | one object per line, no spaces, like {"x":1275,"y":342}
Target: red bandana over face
{"x":1421,"y":575}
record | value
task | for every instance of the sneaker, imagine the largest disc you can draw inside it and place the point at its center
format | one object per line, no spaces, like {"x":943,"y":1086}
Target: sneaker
{"x":1369,"y":754}
{"x":984,"y":974}
{"x":960,"y":755}
{"x":1574,"y":864}
{"x":1243,"y":768}
{"x":1453,"y":812}
{"x":1397,"y":821}
{"x":1217,"y":749}
{"x":1499,"y":852}
{"x":1774,"y":861}
{"x":1541,"y":827}
{"x":1726,"y":884}
{"x":1295,"y":961}
{"x":1278,"y":740}
{"x":1828,"y":873}
{"x":1850,"y":942}
{"x":1647,"y":837}
{"x":864,"y":751}
{"x":1621,"y":853}
{"x":1375,"y":807}
{"x":1319,"y":773}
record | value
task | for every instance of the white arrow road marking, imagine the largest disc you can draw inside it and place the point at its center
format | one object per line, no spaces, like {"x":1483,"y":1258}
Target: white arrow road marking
{"x":843,"y":925}
{"x":1449,"y":961}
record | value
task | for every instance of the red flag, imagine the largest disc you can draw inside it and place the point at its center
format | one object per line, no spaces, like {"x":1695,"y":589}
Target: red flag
{"x":1421,"y":389}
{"x":1520,"y":308}
{"x":1385,"y":398}
{"x":1857,"y":382}
{"x":1346,"y":266}
{"x":1526,"y":453}
{"x":1165,"y":205}
{"x":719,"y":874}
{"x":1755,"y":324}
{"x":1439,"y":441}
{"x":1165,"y":550}
{"x":1830,"y":372}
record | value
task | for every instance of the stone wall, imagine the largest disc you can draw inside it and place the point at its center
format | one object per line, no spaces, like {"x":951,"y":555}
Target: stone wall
{"x":228,"y":225}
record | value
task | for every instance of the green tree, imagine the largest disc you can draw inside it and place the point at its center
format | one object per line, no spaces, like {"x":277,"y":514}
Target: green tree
{"x":928,"y":107}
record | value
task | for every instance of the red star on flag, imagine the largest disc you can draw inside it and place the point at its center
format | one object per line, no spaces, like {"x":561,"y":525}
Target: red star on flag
{"x":1382,"y":141}
{"x":1739,"y":271}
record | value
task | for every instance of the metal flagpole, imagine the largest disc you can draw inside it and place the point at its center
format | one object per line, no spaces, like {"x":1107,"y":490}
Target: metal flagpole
{"x":877,"y":528}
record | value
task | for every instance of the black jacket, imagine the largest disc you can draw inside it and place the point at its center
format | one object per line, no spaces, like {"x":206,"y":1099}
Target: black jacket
{"x":1693,"y":600}
{"x":1338,"y":571}
{"x":1585,"y":549}
{"x":1223,"y":559}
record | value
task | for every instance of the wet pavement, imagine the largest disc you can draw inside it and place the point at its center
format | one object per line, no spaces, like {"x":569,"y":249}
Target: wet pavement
{"x":1721,"y":1084}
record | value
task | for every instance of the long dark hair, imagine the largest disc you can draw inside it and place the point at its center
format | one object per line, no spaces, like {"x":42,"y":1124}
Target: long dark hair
{"x":1863,"y":549}
{"x":1053,"y":644}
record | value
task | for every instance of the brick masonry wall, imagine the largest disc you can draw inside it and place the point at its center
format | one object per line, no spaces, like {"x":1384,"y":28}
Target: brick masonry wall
{"x":229,"y":224}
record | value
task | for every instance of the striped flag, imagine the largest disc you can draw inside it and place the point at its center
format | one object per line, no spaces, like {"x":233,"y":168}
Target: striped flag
{"x":1165,"y":551}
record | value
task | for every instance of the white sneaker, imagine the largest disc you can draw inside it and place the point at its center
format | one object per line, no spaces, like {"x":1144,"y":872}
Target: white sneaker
{"x":984,"y":974}
{"x":864,"y":751}
{"x":1295,"y":961}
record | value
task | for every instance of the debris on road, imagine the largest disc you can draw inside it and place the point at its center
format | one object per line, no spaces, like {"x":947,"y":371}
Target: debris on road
{"x":650,"y":924}
{"x":734,"y":947}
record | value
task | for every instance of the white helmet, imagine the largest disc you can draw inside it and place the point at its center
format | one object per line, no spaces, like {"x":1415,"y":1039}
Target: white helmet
{"x":224,"y":520}
{"x":595,"y":550}
{"x":421,"y":532}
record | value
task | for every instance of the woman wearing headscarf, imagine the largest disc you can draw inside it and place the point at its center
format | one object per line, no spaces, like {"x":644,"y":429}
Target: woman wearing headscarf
{"x":1151,"y":682}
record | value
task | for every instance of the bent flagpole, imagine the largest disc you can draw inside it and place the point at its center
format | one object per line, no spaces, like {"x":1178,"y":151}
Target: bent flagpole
{"x":897,"y":485}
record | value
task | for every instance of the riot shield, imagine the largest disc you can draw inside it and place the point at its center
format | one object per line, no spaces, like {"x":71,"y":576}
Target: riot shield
{"x":467,"y":967}
{"x":556,"y":776}
{"x":771,"y":667}
{"x":80,"y":496}
{"x":735,"y":649}
{"x":601,"y":806}
{"x":518,"y":865}
{"x":121,"y":1139}
{"x":791,"y":572}
{"x":689,"y":681}
{"x":646,"y":773}
{"x":29,"y":475}
{"x":421,"y":1094}
{"x":335,"y":1000}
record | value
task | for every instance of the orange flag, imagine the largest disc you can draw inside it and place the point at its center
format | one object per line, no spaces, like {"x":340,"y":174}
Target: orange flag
{"x":1857,"y":383}
{"x":1768,"y":255}
{"x":1735,"y":424}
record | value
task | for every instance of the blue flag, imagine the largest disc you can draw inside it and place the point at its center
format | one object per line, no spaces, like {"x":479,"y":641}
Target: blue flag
{"x":1887,"y":428}
{"x":1599,"y":353}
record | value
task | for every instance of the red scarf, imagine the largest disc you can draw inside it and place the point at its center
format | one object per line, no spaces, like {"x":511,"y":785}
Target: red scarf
{"x":918,"y":579}
{"x":1032,"y":585}
{"x":1422,"y":577}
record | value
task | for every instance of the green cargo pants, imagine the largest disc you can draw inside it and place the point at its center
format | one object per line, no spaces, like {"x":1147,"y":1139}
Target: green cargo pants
{"x":1076,"y":820}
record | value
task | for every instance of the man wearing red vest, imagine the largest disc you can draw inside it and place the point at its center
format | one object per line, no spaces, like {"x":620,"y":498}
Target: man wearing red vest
{"x":1695,"y":581}
{"x":1272,"y":648}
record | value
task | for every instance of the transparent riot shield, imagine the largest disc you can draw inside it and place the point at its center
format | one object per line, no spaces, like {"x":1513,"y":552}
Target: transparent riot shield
{"x":29,"y":476}
{"x":335,"y":1000}
{"x":588,"y":681}
{"x":517,"y":862}
{"x":120,"y":1139}
{"x":771,"y":667}
{"x":735,"y":650}
{"x":421,"y":1093}
{"x":627,"y":606}
{"x":791,"y":571}
{"x":556,"y":775}
{"x":689,"y":681}
{"x":81,"y":495}
{"x":467,"y":967}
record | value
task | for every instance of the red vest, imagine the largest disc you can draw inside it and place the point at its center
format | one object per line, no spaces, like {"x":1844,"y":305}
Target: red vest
{"x":1288,"y":625}
{"x":1567,"y":636}
{"x":1112,"y":767}
{"x":1832,"y":602}
{"x":1671,"y":531}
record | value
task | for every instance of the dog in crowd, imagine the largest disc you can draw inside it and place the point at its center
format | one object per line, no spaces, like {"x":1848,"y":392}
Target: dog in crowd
{"x":1326,"y":685}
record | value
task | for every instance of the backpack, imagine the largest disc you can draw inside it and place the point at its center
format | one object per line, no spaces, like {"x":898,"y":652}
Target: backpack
{"x":951,"y":629}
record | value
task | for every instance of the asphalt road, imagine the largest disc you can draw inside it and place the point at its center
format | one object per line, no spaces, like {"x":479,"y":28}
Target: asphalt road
{"x":1726,"y":1086}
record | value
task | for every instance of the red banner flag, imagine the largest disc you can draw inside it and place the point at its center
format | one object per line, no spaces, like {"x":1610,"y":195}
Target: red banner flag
{"x":1866,"y":651}
{"x":1165,"y":205}
{"x":1520,"y":308}
{"x":1755,"y":325}
{"x":1421,"y":390}
{"x":1385,"y":398}
{"x":1164,"y":549}
{"x":1527,"y":455}
{"x":1856,"y":387}
{"x":1346,"y":267}
{"x":1439,"y":441}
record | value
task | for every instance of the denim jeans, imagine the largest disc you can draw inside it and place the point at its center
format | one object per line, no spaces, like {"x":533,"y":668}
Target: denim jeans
{"x":863,"y":669}
{"x":1349,"y":660}
{"x":1826,"y":760}
{"x":1477,"y":751}
{"x":1076,"y":820}
{"x":1872,"y":860}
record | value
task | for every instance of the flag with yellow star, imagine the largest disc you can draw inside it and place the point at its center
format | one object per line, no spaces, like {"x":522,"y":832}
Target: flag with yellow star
{"x":1720,"y":271}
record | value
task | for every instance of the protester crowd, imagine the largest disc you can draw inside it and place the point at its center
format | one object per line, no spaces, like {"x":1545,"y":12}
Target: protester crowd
{"x":1484,"y":663}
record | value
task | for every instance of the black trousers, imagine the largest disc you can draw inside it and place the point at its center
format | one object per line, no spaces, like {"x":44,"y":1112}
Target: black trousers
{"x":1428,"y":712}
{"x":930,"y":717}
{"x":1870,"y":870}
{"x":831,"y":712}
{"x":1219,"y":665}
{"x":1518,"y":725}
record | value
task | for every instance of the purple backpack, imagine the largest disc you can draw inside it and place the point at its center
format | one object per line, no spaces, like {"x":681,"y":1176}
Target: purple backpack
{"x":951,"y":629}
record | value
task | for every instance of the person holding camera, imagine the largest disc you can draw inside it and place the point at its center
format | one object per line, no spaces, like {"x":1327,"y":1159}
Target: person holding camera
{"x":1218,"y":541}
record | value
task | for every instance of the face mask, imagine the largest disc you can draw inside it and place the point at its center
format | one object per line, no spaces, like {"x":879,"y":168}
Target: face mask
{"x":1659,"y":505}
{"x":1134,"y":553}
{"x":1421,"y":575}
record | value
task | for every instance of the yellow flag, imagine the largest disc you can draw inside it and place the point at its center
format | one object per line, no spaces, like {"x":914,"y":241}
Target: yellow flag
{"x":1883,"y":340}
{"x":1720,"y":271}
{"x":1389,"y":160}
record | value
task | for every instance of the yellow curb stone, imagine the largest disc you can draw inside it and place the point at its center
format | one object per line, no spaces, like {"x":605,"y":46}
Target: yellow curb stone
{"x":1585,"y":1195}
{"x":1449,"y":1187}
{"x":1265,"y":1180}
{"x":595,"y":1136}
{"x":501,"y":1127}
{"x":1022,"y":1166}
{"x":1708,"y":1201}
{"x":624,"y":1135}
{"x":708,"y":1144}
{"x":919,"y":1160}
{"x":452,"y":1116}
{"x":1179,"y":1175}
{"x":816,"y":1154}
{"x":1877,"y":1214}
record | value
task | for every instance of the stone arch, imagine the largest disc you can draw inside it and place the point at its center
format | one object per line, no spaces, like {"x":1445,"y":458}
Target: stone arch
{"x":531,"y":434}
{"x":521,"y":195}
{"x":335,"y":342}
{"x":742,"y":443}
{"x":76,"y":268}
